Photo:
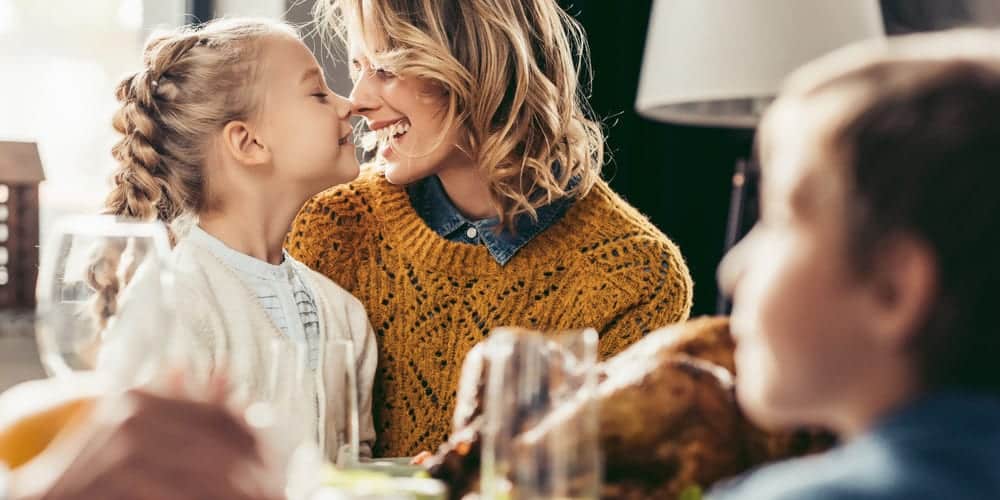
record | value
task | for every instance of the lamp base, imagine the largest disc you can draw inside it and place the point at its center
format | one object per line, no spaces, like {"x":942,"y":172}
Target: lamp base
{"x":743,"y":212}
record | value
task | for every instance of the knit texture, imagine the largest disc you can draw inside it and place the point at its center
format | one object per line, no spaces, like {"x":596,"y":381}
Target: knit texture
{"x":603,"y":265}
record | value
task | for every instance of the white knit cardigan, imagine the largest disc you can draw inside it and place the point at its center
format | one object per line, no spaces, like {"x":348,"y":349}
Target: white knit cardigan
{"x":224,"y":327}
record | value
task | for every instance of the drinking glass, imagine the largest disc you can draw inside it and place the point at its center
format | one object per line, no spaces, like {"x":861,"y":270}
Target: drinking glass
{"x":342,"y":395}
{"x":296,"y":420}
{"x":540,"y":435}
{"x":105,"y":302}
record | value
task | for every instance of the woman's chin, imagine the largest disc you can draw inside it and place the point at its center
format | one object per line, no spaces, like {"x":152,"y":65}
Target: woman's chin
{"x":394,"y":174}
{"x":399,"y":174}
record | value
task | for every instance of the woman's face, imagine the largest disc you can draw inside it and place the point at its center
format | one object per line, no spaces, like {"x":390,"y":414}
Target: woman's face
{"x":407,"y":115}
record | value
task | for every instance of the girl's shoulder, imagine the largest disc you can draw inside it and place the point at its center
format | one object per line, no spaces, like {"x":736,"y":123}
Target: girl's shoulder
{"x":343,"y":311}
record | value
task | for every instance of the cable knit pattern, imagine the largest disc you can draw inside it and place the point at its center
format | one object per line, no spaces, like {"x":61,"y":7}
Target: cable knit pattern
{"x":603,"y":265}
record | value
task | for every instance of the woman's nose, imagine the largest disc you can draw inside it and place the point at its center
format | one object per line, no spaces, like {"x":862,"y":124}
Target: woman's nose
{"x":343,"y":106}
{"x":363,"y":97}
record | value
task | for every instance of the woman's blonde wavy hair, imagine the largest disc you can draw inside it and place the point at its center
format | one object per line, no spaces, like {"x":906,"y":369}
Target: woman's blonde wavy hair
{"x":194,"y":80}
{"x":511,"y":73}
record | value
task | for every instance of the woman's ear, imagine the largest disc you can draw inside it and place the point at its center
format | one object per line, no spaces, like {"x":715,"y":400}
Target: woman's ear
{"x":904,"y":287}
{"x":243,"y":143}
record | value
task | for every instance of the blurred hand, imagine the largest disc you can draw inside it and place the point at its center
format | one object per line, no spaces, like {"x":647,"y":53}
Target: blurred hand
{"x":421,"y":457}
{"x":143,"y":446}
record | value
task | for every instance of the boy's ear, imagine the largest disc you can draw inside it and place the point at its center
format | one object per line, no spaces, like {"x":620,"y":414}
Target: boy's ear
{"x":905,"y":286}
{"x":244,"y":144}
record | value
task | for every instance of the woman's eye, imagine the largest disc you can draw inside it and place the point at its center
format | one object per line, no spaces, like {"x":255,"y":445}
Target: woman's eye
{"x":384,"y":74}
{"x":321,"y":96}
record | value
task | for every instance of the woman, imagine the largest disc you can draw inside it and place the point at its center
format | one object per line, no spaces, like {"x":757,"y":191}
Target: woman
{"x":484,"y":205}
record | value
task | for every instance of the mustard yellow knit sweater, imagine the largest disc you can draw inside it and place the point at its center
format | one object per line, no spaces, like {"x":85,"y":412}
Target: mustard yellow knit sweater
{"x":603,"y":265}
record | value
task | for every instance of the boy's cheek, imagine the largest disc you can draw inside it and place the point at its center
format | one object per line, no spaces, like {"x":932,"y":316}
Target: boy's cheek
{"x":757,"y":388}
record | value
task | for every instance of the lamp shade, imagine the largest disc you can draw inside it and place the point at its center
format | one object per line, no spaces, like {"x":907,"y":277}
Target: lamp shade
{"x":719,"y":62}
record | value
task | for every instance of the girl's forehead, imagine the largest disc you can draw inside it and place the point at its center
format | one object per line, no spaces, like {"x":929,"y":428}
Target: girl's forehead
{"x":285,"y":54}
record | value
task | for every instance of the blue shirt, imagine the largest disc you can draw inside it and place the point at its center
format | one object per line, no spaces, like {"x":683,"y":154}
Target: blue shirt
{"x":433,"y":206}
{"x":942,"y":447}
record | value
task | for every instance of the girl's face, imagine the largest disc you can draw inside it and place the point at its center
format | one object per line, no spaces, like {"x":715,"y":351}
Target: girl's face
{"x":407,"y":115}
{"x":303,"y":122}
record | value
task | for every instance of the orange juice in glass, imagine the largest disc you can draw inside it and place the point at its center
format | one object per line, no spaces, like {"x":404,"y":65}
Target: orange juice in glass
{"x":34,"y":413}
{"x":104,"y":323}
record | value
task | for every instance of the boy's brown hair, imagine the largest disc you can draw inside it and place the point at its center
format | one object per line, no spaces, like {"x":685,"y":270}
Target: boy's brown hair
{"x":918,"y":139}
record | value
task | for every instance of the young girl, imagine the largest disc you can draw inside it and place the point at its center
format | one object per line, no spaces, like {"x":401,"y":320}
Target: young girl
{"x":232,"y":124}
{"x":486,"y":206}
{"x":865,"y":299}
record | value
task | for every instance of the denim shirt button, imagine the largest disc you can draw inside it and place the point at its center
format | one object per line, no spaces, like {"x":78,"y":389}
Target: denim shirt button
{"x":472,"y":233}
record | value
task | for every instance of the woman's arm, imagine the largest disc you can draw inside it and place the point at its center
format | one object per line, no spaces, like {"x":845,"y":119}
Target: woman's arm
{"x":661,"y":291}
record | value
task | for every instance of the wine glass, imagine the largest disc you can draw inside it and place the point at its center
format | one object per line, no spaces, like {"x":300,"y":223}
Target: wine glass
{"x":105,"y":303}
{"x":342,"y":396}
{"x":297,"y":419}
{"x":295,"y":416}
{"x":540,"y":432}
{"x":299,"y":430}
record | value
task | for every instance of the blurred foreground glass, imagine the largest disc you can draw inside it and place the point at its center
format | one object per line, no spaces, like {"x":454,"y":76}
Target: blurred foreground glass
{"x":369,"y":485}
{"x":88,"y":341}
{"x":341,"y":379}
{"x":105,"y":300}
{"x":540,"y":435}
{"x":304,"y":428}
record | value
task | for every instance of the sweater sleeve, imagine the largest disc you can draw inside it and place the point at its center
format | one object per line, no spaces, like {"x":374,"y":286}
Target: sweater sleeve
{"x":661,"y":290}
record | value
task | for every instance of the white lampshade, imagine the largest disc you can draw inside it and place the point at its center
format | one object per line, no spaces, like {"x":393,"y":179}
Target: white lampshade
{"x":719,"y":62}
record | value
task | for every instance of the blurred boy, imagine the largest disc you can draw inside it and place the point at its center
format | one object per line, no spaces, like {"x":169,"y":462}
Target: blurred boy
{"x":866,"y":297}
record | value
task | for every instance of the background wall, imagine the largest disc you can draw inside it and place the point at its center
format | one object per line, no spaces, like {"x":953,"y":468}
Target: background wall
{"x":331,"y":54}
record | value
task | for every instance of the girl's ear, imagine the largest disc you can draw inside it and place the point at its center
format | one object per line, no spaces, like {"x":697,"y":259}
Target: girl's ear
{"x":246,"y":147}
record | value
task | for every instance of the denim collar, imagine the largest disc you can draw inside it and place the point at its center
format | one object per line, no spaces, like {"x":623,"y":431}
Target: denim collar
{"x":439,"y":213}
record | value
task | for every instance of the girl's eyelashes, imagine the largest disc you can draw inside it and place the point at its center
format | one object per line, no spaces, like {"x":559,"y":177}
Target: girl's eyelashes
{"x":321,"y":96}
